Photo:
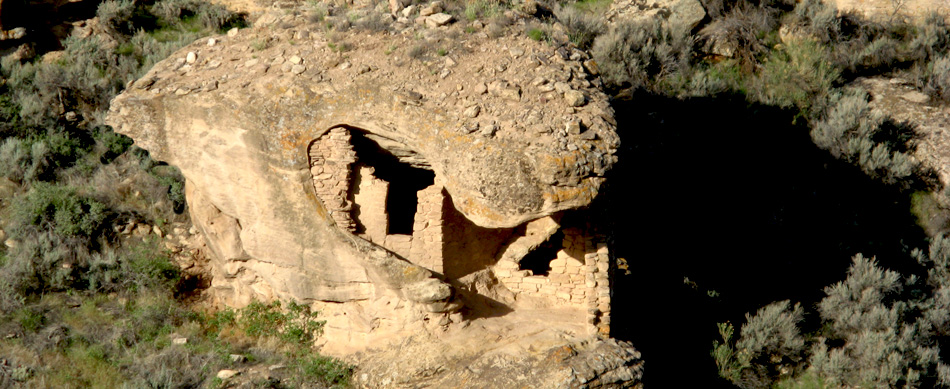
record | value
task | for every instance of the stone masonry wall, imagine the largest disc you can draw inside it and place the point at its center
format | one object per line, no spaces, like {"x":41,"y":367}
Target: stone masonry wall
{"x":578,"y":276}
{"x":427,"y":234}
{"x":336,"y":173}
{"x":369,"y":208}
{"x":330,"y":158}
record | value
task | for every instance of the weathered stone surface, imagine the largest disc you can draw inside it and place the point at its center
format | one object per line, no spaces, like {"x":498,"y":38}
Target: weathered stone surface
{"x":439,"y":19}
{"x":502,"y":354}
{"x":687,"y":13}
{"x":284,"y":199}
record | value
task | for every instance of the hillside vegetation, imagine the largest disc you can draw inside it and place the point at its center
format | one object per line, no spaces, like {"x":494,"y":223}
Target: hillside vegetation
{"x":82,"y":305}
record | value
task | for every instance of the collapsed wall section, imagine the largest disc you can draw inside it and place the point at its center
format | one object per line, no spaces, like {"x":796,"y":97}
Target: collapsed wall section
{"x":577,"y":274}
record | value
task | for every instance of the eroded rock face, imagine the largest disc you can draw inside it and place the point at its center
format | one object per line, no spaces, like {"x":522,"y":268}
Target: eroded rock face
{"x":385,"y":190}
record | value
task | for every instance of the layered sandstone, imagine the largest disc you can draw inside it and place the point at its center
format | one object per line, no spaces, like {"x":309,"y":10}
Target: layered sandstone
{"x":407,"y":185}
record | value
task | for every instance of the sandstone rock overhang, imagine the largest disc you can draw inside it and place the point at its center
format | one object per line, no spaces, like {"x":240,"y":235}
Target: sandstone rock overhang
{"x":512,"y":129}
{"x":366,"y":177}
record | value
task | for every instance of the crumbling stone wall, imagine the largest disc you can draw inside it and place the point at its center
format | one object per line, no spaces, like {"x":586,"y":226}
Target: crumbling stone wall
{"x":330,"y":160}
{"x":427,"y":230}
{"x":578,"y":276}
{"x":356,"y":199}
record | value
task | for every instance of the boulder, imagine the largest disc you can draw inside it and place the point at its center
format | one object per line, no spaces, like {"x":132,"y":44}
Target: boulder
{"x":367,"y":186}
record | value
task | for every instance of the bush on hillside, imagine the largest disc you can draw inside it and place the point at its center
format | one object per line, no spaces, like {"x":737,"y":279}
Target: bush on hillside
{"x":636,"y":52}
{"x":875,"y":333}
{"x":938,"y":78}
{"x":742,"y":31}
{"x":850,"y":130}
{"x":582,"y":27}
{"x":800,"y":75}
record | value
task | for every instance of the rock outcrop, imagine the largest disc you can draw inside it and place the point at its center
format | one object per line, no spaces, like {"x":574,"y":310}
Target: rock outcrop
{"x":405,"y":185}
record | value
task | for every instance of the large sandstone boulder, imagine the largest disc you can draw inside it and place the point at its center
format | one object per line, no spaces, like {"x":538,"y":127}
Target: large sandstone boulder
{"x":389,"y":180}
{"x":686,"y":13}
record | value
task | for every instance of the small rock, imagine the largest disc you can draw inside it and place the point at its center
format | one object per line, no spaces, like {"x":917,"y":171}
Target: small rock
{"x":178,"y":231}
{"x":916,"y":97}
{"x":297,"y":69}
{"x":251,"y":62}
{"x":276,"y":367}
{"x":145,"y":83}
{"x":296,"y":60}
{"x":214,"y":64}
{"x":226,"y":373}
{"x":472,"y":111}
{"x":575,"y":98}
{"x":71,"y":116}
{"x":193,"y":230}
{"x":345,"y":65}
{"x":233,"y":32}
{"x":481,"y":89}
{"x":592,"y":67}
{"x":439,"y":19}
{"x":212,"y":41}
{"x":158,"y":231}
{"x":191,"y":57}
{"x":364,"y":69}
{"x":407,"y":12}
{"x":210,"y":86}
{"x":3,"y":234}
{"x":444,"y":73}
{"x":431,"y":9}
{"x":478,"y":25}
{"x":179,"y":341}
{"x":489,"y":130}
{"x":449,"y":62}
{"x":238,"y":358}
{"x":573,"y":127}
{"x":10,"y":243}
{"x":516,"y":51}
{"x":182,"y":91}
{"x":562,"y":87}
{"x":17,"y":33}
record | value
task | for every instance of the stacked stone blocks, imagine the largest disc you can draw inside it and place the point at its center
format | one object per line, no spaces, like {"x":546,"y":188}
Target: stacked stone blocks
{"x":330,"y":158}
{"x":578,"y":276}
{"x":334,"y":167}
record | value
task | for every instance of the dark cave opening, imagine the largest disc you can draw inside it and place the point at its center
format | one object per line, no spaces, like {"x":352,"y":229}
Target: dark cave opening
{"x":539,"y":259}
{"x":405,"y":181}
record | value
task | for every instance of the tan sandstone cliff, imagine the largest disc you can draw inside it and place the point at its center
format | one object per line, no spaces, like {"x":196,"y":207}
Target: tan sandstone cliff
{"x":419,"y":201}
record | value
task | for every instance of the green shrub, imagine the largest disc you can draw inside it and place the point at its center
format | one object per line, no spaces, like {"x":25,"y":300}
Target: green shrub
{"x":799,"y":75}
{"x":743,"y":31}
{"x":820,"y":19}
{"x":296,"y":325}
{"x":49,"y":207}
{"x":373,"y":21}
{"x":931,"y":38}
{"x":850,"y":130}
{"x":116,"y":16}
{"x":328,"y":370}
{"x":938,"y":78}
{"x":582,"y":27}
{"x":537,"y":34}
{"x":770,"y":337}
{"x":635,"y":52}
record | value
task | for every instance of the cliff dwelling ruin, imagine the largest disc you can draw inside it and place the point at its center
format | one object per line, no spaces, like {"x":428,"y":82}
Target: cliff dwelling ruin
{"x":393,"y":201}
{"x":405,"y":204}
